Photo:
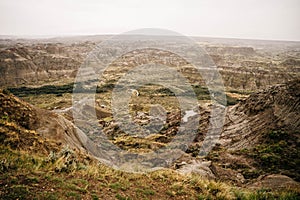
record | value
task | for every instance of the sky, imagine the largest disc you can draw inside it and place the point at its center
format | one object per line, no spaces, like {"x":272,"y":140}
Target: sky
{"x":249,"y":19}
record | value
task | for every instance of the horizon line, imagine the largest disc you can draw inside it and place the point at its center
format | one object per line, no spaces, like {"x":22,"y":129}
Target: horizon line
{"x":53,"y":36}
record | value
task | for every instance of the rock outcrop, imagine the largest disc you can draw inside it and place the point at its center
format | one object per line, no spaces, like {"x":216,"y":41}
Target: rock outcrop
{"x":23,"y":126}
{"x":261,"y":137}
{"x":275,"y":108}
{"x":40,"y":63}
{"x":259,"y":145}
{"x":242,"y":67}
{"x":246,"y":51}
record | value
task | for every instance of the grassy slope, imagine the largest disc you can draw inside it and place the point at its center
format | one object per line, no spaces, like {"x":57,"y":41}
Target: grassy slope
{"x":27,"y":176}
{"x":56,"y":172}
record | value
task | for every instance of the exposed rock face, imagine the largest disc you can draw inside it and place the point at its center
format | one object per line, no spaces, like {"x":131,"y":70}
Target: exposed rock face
{"x":197,"y":167}
{"x":252,"y":69}
{"x":241,"y":67}
{"x":39,"y":63}
{"x":274,"y":181}
{"x":37,"y":129}
{"x":246,"y":51}
{"x":260,"y":137}
{"x":16,"y":69}
{"x":275,"y":108}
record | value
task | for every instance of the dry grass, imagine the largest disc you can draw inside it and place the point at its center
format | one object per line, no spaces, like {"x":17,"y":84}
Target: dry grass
{"x":25,"y":176}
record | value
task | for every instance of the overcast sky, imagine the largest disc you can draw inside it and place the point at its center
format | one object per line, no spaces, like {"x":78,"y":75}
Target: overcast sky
{"x":255,"y":19}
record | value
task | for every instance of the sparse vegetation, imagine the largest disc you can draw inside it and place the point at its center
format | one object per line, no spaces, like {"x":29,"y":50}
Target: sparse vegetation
{"x":33,"y":165}
{"x":277,"y":153}
{"x":28,"y":179}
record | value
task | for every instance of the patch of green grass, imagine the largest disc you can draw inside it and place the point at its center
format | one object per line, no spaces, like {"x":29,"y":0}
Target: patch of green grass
{"x":278,"y":152}
{"x":239,"y":195}
{"x":231,"y":101}
{"x":277,"y":135}
{"x":146,"y":191}
{"x":94,"y":197}
{"x":120,"y":197}
{"x":261,"y":195}
{"x":32,"y":180}
{"x":213,"y":189}
{"x":49,"y":196}
{"x":79,"y":181}
{"x":5,"y":118}
{"x":57,"y":180}
{"x":76,"y":188}
{"x":204,"y":197}
{"x":74,"y":195}
{"x":289,"y":196}
{"x":46,"y":89}
{"x":16,"y":192}
{"x":117,"y":186}
{"x":178,"y":188}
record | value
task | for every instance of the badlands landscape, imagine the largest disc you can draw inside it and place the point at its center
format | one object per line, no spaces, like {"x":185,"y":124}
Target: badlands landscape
{"x":48,"y":152}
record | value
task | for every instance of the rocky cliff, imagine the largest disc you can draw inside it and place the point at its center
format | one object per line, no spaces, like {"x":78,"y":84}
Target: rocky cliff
{"x":275,"y":108}
{"x":40,"y":63}
{"x":259,"y":145}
